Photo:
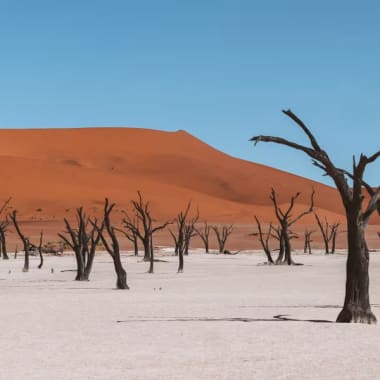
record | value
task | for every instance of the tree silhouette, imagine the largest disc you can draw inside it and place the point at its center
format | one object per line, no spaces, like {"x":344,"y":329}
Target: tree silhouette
{"x":356,"y":306}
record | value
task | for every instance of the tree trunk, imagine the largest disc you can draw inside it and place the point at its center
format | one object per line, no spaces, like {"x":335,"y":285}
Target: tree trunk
{"x":3,"y":245}
{"x":151,"y":265}
{"x":327,"y":251}
{"x":121,"y":282}
{"x":187,"y":243}
{"x":136,"y":246}
{"x":333,"y":243}
{"x":269,"y":256}
{"x":88,"y":268}
{"x":147,"y":250}
{"x":288,"y":250}
{"x":41,"y":259}
{"x":356,"y":306}
{"x":180,"y":257}
{"x":280,"y":256}
{"x":26,"y":259}
{"x":81,"y":276}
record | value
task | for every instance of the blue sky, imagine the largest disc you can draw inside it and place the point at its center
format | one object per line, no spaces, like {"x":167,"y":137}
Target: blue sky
{"x":222,"y":70}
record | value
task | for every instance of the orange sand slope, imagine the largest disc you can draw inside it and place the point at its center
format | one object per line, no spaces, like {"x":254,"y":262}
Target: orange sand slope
{"x":57,"y":170}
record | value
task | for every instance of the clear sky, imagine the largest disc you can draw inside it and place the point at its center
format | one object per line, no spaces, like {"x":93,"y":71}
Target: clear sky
{"x":220,"y":69}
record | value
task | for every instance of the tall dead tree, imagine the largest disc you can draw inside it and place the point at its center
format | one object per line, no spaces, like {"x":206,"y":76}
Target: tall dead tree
{"x":25,"y":240}
{"x":82,"y":239}
{"x":307,"y":241}
{"x":147,"y":230}
{"x":40,"y":251}
{"x":113,"y":247}
{"x":356,"y":307}
{"x":222,"y":235}
{"x":334,"y":235}
{"x":264,"y":239}
{"x":204,"y":234}
{"x":132,"y":233}
{"x":190,"y":232}
{"x":3,"y":239}
{"x":175,"y":240}
{"x":3,"y":230}
{"x":329,"y":232}
{"x":180,"y":222}
{"x":286,"y":220}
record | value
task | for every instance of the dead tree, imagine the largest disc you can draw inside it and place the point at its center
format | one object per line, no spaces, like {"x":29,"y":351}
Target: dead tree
{"x":180,"y":222}
{"x":40,"y":251}
{"x":334,"y":234}
{"x":264,"y":239}
{"x":175,"y":239}
{"x":3,"y":242}
{"x":83,"y":242}
{"x":132,"y":233}
{"x":356,"y":306}
{"x":329,"y":232}
{"x":286,"y":220}
{"x":222,"y":235}
{"x":204,"y":234}
{"x":25,"y":240}
{"x":190,"y":232}
{"x":307,"y":245}
{"x":113,"y":247}
{"x":3,"y":230}
{"x":145,"y":233}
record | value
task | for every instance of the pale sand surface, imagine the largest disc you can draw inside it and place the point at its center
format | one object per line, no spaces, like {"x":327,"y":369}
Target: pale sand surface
{"x":55,"y":328}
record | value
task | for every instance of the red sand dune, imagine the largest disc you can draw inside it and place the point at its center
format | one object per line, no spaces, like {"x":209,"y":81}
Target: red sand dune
{"x":50,"y":172}
{"x":59,"y":169}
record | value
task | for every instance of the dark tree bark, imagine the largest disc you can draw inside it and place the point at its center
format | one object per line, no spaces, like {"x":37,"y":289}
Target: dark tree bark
{"x":145,"y":233}
{"x":204,"y":234}
{"x":180,"y":222}
{"x":83,"y":243}
{"x":25,"y":241}
{"x":3,"y":230}
{"x":286,"y":220}
{"x":40,"y":251}
{"x":132,"y":232}
{"x":334,"y":232}
{"x":307,"y":245}
{"x":356,"y":306}
{"x":3,"y":240}
{"x":151,"y":258}
{"x":190,"y":232}
{"x":112,"y":248}
{"x":222,"y":235}
{"x":174,"y":236}
{"x":328,"y":232}
{"x":264,"y":241}
{"x":135,"y":245}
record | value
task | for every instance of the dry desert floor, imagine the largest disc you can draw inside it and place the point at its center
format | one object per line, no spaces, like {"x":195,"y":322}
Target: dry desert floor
{"x":225,"y":317}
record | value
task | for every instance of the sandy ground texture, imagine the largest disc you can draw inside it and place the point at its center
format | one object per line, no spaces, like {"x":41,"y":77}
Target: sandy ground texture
{"x":225,"y":317}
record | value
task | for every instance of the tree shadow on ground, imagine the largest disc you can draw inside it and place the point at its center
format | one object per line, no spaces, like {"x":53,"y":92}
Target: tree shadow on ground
{"x":291,"y":306}
{"x":276,"y":318}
